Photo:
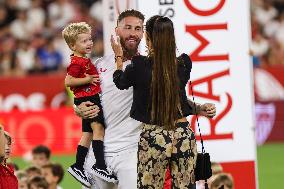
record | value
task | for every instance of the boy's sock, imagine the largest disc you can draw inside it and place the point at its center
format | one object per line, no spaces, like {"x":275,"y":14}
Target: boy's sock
{"x":98,"y":148}
{"x":82,"y":152}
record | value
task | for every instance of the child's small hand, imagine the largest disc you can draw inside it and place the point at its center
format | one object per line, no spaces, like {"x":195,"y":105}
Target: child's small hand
{"x":96,"y":79}
{"x":89,"y":78}
{"x":93,"y":79}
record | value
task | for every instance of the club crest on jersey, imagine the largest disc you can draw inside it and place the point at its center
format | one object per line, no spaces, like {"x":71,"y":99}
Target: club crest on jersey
{"x":103,"y":70}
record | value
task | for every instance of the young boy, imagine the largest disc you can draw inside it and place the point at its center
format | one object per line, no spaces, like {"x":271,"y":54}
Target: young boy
{"x":221,"y":181}
{"x":22,"y":179}
{"x":53,"y":174}
{"x":40,"y":155}
{"x":37,"y":182}
{"x":82,"y":78}
{"x":33,"y":171}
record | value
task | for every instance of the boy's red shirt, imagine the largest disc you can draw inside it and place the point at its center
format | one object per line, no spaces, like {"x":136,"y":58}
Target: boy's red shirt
{"x":8,"y":180}
{"x":78,"y":67}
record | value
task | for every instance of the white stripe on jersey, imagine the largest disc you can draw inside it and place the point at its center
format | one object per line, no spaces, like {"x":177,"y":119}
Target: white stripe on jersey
{"x":122,"y":132}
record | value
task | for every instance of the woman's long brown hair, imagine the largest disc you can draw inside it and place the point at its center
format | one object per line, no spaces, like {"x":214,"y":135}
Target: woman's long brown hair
{"x":164,"y":84}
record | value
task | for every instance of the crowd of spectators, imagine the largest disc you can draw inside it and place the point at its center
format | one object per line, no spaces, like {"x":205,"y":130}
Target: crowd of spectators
{"x":267,"y":21}
{"x":30,"y":34}
{"x":41,"y":172}
{"x":31,"y":41}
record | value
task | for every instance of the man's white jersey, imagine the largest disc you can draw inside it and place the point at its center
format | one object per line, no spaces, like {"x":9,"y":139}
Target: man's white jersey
{"x":122,"y":132}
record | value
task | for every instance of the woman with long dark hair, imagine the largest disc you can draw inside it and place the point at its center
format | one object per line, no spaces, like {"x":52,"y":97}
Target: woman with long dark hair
{"x":159,"y":101}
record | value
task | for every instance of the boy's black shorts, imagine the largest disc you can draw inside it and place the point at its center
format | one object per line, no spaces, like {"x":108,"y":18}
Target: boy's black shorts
{"x":86,"y":123}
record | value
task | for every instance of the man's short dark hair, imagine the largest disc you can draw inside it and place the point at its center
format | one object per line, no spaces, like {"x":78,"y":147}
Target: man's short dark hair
{"x":56,"y":169}
{"x":41,"y":149}
{"x":130,"y":12}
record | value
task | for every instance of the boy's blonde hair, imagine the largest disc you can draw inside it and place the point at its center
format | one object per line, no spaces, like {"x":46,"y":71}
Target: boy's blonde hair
{"x":21,"y":175}
{"x":216,"y":168}
{"x":71,"y":31}
{"x":221,"y":179}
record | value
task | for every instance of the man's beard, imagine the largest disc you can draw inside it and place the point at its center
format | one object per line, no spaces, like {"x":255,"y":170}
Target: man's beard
{"x":129,"y":52}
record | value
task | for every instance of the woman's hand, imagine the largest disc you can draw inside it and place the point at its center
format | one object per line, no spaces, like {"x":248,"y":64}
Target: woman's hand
{"x":116,"y":46}
{"x":207,"y":110}
{"x":117,"y":49}
{"x":86,"y":110}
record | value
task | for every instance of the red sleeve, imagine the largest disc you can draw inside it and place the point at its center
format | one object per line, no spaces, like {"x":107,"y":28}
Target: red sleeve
{"x":74,"y":70}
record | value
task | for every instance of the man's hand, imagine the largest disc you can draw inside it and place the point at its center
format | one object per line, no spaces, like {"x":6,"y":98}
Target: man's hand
{"x":208,"y":110}
{"x":86,"y":110}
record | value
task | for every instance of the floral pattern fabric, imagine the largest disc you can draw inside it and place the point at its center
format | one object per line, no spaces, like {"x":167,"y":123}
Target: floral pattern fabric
{"x":158,"y":149}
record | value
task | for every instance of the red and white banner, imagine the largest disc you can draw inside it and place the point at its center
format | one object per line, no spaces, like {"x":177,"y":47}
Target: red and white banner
{"x":269,"y":109}
{"x":32,"y":93}
{"x":216,"y":34}
{"x":269,"y":83}
{"x":59,"y":129}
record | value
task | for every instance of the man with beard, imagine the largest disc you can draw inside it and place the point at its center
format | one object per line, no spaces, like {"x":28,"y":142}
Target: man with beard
{"x":122,"y":132}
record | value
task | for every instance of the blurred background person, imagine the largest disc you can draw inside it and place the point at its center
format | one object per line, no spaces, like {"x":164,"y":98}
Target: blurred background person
{"x":8,"y":180}
{"x":40,"y":156}
{"x":22,"y":179}
{"x":37,"y":183}
{"x":33,"y":171}
{"x":53,"y":174}
{"x":221,"y":181}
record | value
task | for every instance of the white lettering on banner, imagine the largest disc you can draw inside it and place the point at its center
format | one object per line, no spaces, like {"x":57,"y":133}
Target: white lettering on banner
{"x":58,"y":100}
{"x":35,"y":101}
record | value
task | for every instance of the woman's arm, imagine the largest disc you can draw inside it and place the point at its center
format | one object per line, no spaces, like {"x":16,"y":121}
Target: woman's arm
{"x":186,"y":61}
{"x":2,"y":141}
{"x":206,"y":109}
{"x":124,"y":79}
